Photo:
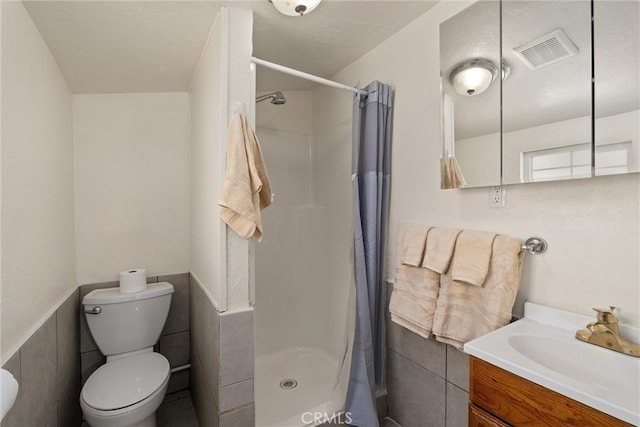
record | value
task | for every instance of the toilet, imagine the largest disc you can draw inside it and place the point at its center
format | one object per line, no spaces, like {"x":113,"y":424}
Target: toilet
{"x":129,"y":388}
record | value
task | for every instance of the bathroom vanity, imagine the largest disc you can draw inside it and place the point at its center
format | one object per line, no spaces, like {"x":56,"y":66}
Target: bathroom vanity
{"x":497,"y":395}
{"x":534,"y":372}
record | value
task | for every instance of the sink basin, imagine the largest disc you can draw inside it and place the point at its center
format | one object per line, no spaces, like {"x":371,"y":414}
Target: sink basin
{"x":542,"y":348}
{"x":580,"y":364}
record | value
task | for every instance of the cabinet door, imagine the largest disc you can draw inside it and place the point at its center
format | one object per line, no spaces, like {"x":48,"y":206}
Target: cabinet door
{"x":480,"y":418}
{"x":521,"y":402}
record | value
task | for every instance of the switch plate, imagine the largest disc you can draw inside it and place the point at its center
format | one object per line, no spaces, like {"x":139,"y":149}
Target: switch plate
{"x":496,"y":197}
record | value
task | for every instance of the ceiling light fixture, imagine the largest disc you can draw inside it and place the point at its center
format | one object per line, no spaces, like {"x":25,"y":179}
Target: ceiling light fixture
{"x":471,"y":78}
{"x":295,"y":7}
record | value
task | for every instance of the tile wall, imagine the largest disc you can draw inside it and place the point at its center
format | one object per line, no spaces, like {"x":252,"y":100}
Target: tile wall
{"x":427,"y":381}
{"x":49,"y":386}
{"x":174,"y":342}
{"x":222,"y":363}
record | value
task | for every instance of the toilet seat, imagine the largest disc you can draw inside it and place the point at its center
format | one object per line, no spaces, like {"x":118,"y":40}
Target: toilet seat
{"x":125,"y":382}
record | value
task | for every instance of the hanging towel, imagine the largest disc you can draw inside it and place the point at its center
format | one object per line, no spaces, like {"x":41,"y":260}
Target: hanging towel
{"x":451,"y":174}
{"x":415,"y":245}
{"x":413,"y":300}
{"x":415,"y":291}
{"x":439,"y":249}
{"x":470,"y":263}
{"x":464,"y":312}
{"x":246,"y":188}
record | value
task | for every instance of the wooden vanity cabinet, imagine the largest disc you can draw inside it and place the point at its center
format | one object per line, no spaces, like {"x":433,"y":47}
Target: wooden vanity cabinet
{"x":478,"y":417}
{"x":501,"y":399}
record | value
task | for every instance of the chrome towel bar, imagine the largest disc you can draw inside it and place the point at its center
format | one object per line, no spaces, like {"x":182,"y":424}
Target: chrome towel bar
{"x":535,"y":245}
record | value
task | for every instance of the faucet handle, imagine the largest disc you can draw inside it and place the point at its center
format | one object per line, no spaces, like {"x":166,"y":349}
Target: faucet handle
{"x":607,"y":315}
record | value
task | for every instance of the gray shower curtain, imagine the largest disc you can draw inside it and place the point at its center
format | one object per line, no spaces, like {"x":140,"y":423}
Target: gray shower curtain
{"x":370,"y":179}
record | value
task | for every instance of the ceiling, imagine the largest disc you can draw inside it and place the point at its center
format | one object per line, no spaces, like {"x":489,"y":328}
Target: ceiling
{"x":155,"y":46}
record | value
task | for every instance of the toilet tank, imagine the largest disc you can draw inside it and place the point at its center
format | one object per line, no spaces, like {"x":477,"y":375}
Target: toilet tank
{"x":127,"y":322}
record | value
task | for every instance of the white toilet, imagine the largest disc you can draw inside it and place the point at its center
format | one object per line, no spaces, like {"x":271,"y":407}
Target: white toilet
{"x":130,"y":387}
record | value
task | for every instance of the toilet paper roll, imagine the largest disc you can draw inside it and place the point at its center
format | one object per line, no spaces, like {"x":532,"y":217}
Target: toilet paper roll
{"x":134,"y":280}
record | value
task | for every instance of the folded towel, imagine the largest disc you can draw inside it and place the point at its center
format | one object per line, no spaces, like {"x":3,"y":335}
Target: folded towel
{"x":415,"y":291}
{"x":467,"y":312}
{"x":416,"y":238}
{"x":470,"y":263}
{"x":246,"y":189}
{"x":439,"y":248}
{"x":413,"y":300}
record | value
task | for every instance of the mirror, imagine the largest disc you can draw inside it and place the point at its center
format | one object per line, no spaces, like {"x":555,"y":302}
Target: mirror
{"x":542,"y":82}
{"x":546,"y":101}
{"x":471,"y":124}
{"x":617,"y":92}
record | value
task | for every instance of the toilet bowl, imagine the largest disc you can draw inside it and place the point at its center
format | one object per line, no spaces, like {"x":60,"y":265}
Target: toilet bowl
{"x":126,"y":392}
{"x":129,"y":388}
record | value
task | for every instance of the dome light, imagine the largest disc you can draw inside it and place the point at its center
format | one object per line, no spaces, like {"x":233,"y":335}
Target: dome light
{"x":471,"y":78}
{"x":295,"y":7}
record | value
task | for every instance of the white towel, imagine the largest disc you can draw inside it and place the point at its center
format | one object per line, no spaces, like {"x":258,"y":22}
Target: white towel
{"x":439,"y":248}
{"x":415,"y":291}
{"x":471,"y":257}
{"x":466,"y":312}
{"x":413,"y":300}
{"x":246,"y":188}
{"x":416,"y":238}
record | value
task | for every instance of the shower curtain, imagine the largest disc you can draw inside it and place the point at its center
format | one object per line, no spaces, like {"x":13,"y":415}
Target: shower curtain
{"x":370,"y":179}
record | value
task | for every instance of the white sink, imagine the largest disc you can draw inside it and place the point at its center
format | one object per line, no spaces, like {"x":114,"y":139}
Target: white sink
{"x":542,"y":348}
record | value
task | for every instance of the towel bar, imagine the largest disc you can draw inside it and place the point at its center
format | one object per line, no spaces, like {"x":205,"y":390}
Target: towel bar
{"x":535,"y":245}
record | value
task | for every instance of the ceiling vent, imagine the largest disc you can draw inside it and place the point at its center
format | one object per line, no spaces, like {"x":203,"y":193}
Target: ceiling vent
{"x":546,"y":50}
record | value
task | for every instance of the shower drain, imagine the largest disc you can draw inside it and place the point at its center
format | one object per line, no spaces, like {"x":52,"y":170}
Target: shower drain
{"x":288,"y":384}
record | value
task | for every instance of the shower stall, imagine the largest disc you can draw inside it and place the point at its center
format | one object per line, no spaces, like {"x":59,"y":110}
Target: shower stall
{"x":304,"y":297}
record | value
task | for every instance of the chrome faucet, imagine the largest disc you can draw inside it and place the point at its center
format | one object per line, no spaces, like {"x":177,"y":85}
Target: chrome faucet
{"x":605,"y":332}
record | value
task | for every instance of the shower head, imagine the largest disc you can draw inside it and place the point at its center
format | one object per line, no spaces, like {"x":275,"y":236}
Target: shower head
{"x":277,"y":98}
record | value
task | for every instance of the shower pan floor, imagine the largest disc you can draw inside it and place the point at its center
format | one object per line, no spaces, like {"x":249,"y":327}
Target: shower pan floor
{"x":316,"y":375}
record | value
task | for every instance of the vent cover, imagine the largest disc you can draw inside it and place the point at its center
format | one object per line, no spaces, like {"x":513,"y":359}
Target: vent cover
{"x":546,"y":50}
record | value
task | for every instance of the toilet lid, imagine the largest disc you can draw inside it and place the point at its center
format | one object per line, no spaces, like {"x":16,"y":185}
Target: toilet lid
{"x":125,"y":382}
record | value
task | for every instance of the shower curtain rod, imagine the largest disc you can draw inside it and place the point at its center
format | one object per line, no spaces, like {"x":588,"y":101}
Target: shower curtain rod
{"x":305,"y":76}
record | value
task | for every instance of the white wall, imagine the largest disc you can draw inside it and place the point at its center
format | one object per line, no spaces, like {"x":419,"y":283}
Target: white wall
{"x":304,"y":258}
{"x":38,"y":252}
{"x":332,"y":190}
{"x":591,"y":225}
{"x":240,"y":82}
{"x":207,"y":157}
{"x":294,"y":116}
{"x":303,"y":268}
{"x":223,"y":77}
{"x":285,"y":135}
{"x":132,"y":186}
